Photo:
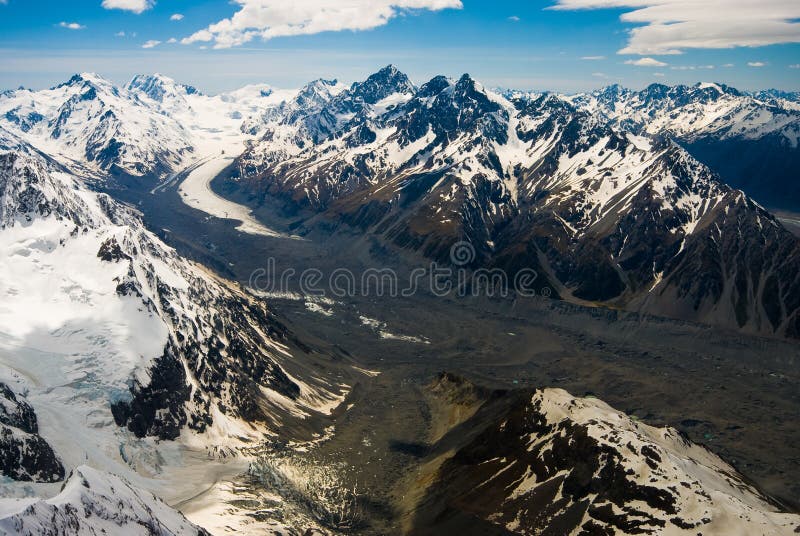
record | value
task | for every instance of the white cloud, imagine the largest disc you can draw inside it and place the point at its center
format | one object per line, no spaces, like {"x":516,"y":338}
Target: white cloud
{"x":268,"y":19}
{"x":671,"y":26}
{"x":659,"y":75}
{"x":696,"y":67}
{"x":137,"y":6}
{"x":795,"y":66}
{"x":593,"y":58}
{"x":172,"y":40}
{"x":71,"y":25}
{"x":120,"y":34}
{"x":151,"y":44}
{"x":600,"y":75}
{"x":756,"y":64}
{"x":176,"y":16}
{"x":728,"y":65}
{"x":514,"y":18}
{"x":646,"y":62}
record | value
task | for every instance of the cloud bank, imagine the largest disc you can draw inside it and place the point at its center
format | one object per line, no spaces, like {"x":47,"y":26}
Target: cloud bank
{"x":268,"y":19}
{"x":671,"y":26}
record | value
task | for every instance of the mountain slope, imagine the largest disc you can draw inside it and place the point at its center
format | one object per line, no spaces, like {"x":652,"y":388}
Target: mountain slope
{"x":136,"y":336}
{"x":24,"y":455}
{"x":545,"y":462}
{"x":321,"y":110}
{"x":92,"y":502}
{"x":214,"y":123}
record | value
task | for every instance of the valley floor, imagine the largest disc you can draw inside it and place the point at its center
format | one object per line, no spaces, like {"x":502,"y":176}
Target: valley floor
{"x":735,"y":393}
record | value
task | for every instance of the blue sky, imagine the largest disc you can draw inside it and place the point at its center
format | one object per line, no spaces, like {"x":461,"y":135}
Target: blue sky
{"x":524,"y":45}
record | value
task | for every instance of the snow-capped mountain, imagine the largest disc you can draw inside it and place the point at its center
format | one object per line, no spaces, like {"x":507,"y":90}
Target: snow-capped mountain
{"x":90,"y":122}
{"x":752,"y":140}
{"x":160,"y":88}
{"x":324,"y":109}
{"x":601,"y":214}
{"x":693,"y":112}
{"x":783,"y":99}
{"x":136,"y":341}
{"x":545,"y":462}
{"x":144,"y":131}
{"x":92,"y":502}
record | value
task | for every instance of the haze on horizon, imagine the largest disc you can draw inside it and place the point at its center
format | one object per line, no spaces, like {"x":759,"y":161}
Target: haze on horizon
{"x":560,"y":45}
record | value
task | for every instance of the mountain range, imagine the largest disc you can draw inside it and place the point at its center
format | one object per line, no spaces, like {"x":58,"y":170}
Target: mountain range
{"x":127,"y":368}
{"x":750,"y":139}
{"x":603,"y":214}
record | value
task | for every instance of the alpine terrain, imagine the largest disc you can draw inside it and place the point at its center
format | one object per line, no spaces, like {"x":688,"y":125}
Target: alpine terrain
{"x":150,"y":386}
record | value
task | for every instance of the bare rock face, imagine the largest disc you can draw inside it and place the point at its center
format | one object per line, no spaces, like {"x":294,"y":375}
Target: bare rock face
{"x":24,"y":455}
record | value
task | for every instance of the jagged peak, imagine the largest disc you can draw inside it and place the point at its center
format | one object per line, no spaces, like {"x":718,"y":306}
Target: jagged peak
{"x":468,"y":84}
{"x":389,"y":70}
{"x":613,"y":89}
{"x":657,"y":87}
{"x":156,"y":86}
{"x":318,"y":92}
{"x":720,"y":87}
{"x":319,"y":85}
{"x":323,"y":82}
{"x":434,"y":86}
{"x":86,"y":78}
{"x":381,"y":84}
{"x":155,"y":77}
{"x":776,"y":93}
{"x":95,"y":502}
{"x":548,"y":102}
